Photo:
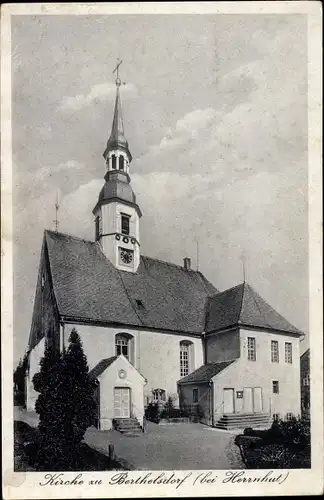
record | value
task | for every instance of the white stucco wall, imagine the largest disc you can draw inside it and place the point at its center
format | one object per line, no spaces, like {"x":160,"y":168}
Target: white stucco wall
{"x":34,"y":358}
{"x":261,"y":373}
{"x":223,"y":346}
{"x":110,"y":214}
{"x":110,"y":380}
{"x":156,"y":354}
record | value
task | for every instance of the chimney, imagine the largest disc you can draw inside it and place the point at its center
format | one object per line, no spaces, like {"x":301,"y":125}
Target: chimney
{"x":187,"y":263}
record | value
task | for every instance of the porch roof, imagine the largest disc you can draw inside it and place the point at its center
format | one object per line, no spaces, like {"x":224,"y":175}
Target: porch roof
{"x":205,"y":373}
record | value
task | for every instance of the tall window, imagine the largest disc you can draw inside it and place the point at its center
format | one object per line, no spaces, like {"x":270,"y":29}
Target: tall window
{"x":125,"y":223}
{"x":288,"y":352}
{"x":186,"y":354}
{"x":121,"y":163}
{"x":274,"y":351}
{"x":114,"y":162}
{"x":195,"y":395}
{"x":124,"y":345}
{"x":275,"y":387}
{"x":251,"y":349}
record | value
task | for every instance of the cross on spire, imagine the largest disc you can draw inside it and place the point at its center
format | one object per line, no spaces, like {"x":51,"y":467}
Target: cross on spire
{"x":116,"y":70}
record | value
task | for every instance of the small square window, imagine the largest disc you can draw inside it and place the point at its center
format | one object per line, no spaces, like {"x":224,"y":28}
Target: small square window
{"x":275,"y":387}
{"x":139,"y":304}
{"x":195,"y":395}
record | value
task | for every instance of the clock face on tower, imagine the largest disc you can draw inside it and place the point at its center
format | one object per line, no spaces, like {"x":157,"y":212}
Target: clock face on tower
{"x":126,"y":256}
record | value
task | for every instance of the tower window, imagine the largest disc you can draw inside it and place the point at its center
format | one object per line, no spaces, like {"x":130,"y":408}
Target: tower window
{"x":121,"y":163}
{"x":139,"y":304}
{"x":125,"y":223}
{"x":113,"y":162}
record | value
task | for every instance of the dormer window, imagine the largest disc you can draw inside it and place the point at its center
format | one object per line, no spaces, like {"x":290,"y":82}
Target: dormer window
{"x":125,"y":223}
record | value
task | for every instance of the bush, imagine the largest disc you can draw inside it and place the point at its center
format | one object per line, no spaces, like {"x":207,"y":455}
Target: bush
{"x":285,"y":445}
{"x":153,"y":412}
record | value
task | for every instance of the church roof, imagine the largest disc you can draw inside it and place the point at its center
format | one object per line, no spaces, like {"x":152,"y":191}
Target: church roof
{"x":242,"y":305}
{"x":159,"y":295}
{"x":205,"y":373}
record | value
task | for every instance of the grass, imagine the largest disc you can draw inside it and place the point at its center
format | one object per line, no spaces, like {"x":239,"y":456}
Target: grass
{"x":25,"y":449}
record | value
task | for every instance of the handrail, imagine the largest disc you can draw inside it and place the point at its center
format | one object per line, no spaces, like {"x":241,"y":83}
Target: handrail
{"x":222,"y":403}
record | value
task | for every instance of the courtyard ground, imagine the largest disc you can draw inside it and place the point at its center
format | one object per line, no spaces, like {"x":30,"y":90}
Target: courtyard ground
{"x":185,"y":446}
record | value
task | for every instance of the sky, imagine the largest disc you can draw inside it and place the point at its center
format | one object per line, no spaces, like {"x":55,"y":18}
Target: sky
{"x":215,"y":113}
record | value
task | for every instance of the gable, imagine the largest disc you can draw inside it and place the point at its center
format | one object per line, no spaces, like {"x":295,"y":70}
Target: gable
{"x":45,"y":317}
{"x":113,"y":364}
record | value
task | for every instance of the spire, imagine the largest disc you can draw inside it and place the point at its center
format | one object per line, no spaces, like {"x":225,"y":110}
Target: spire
{"x":117,"y":140}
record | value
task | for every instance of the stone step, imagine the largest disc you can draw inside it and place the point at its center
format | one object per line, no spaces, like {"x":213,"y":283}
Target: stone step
{"x":128,"y":426}
{"x":244,"y":415}
{"x":248,"y":419}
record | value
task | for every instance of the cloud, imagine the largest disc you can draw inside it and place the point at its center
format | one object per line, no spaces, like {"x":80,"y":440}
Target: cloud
{"x":99,"y":92}
{"x":70,"y":165}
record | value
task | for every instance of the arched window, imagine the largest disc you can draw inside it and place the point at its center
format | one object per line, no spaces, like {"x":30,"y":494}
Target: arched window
{"x":158,"y":395}
{"x":113,"y":162}
{"x":124,"y":344}
{"x":186,"y":357}
{"x":121,"y":162}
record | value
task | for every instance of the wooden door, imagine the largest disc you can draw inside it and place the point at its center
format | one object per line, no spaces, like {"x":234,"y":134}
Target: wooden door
{"x":121,"y":402}
{"x":228,"y":398}
{"x":257,"y":399}
{"x":247,"y":400}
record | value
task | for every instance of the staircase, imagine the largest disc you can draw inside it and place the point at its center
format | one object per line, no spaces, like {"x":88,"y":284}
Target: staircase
{"x":128,"y":426}
{"x":243,"y":420}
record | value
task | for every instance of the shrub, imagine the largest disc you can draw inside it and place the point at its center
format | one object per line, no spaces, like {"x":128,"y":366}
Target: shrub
{"x":285,"y":445}
{"x":153,"y":412}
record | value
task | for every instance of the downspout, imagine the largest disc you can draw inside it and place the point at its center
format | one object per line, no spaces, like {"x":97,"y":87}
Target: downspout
{"x":211,"y":400}
{"x":63,"y":335}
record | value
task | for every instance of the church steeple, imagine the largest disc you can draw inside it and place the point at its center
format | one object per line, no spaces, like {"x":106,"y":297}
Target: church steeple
{"x":116,"y":212}
{"x":117,"y":145}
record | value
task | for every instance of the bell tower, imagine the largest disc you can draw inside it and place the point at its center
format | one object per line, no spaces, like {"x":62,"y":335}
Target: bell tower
{"x":116,"y":212}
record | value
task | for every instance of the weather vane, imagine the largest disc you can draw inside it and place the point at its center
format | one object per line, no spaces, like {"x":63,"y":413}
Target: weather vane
{"x":116,"y":70}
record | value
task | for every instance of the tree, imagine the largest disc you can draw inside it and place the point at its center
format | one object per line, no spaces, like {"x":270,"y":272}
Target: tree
{"x":19,"y":380}
{"x":65,"y":405}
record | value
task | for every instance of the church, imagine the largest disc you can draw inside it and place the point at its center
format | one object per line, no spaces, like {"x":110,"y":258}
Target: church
{"x":153,"y":329}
